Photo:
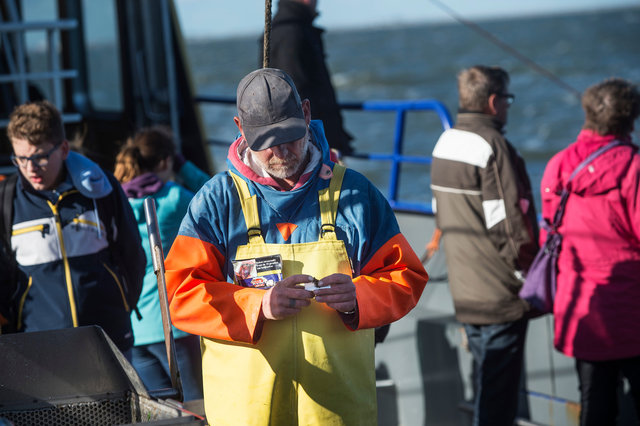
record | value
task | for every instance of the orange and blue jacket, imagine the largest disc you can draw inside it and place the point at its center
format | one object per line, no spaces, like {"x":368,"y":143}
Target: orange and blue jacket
{"x":388,"y":276}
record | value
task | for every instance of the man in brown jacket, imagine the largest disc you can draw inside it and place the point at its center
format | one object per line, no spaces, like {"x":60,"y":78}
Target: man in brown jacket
{"x":484,"y":207}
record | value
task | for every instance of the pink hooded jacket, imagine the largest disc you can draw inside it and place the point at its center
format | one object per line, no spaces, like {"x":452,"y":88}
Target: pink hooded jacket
{"x":597,"y":306}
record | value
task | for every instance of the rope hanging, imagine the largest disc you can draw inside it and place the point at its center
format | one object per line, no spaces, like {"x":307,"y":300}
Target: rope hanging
{"x":486,"y":34}
{"x":267,"y":34}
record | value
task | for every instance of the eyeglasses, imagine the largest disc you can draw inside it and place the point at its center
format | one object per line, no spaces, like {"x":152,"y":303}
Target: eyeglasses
{"x":510,"y":97}
{"x":38,"y":160}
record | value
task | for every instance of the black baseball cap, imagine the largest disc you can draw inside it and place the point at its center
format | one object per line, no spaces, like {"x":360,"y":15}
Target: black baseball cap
{"x":269,"y":108}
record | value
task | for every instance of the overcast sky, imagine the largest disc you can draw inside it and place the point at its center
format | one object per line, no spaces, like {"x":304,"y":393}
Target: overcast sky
{"x":217,"y":18}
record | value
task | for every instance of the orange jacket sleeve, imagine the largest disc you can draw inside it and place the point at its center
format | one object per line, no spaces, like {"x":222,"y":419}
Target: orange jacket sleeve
{"x":390,"y":284}
{"x":199,"y":295}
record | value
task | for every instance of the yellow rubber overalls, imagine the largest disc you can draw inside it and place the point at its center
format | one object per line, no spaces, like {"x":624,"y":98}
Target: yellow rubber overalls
{"x":308,"y":369}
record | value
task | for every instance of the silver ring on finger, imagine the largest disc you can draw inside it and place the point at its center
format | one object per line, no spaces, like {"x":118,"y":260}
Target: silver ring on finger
{"x":292,"y":303}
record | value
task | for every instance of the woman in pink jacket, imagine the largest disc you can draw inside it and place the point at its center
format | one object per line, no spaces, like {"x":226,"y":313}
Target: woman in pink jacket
{"x":597,"y":306}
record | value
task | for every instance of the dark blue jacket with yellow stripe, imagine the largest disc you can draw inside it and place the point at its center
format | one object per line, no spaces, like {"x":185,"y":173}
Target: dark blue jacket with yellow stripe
{"x":78,"y":254}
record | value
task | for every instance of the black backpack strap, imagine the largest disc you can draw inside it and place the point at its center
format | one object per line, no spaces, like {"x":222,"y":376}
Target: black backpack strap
{"x":7,"y":259}
{"x":7,"y":193}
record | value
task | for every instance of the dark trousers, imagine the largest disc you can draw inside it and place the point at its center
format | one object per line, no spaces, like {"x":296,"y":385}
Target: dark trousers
{"x":498,"y":351}
{"x":150,"y":361}
{"x":599,"y":382}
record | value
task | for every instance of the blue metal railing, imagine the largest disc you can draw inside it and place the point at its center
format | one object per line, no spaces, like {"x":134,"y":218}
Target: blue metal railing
{"x":396,"y":157}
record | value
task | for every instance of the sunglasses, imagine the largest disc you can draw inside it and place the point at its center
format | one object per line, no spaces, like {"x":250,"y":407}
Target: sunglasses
{"x":38,"y":160}
{"x":510,"y":97}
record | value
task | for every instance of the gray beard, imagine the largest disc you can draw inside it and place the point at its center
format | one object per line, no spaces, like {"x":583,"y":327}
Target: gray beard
{"x":281,"y":171}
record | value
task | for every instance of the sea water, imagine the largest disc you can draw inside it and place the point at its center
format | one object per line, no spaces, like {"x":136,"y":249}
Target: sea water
{"x":551,"y":60}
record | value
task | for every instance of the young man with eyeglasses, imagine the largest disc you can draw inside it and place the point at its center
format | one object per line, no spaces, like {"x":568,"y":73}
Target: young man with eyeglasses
{"x":484,"y":207}
{"x":71,"y":252}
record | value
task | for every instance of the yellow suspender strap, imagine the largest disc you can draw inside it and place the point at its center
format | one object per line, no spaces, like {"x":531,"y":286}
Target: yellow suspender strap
{"x":329,"y":198}
{"x":249,"y":209}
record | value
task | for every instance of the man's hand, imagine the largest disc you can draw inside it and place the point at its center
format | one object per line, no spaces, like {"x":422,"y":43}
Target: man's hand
{"x":340,"y":293}
{"x":286,"y":298}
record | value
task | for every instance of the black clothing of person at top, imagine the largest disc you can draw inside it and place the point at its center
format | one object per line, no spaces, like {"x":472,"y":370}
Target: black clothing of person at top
{"x":297,"y":48}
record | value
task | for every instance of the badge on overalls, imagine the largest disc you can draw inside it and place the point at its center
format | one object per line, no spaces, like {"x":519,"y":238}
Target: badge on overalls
{"x":260,"y":272}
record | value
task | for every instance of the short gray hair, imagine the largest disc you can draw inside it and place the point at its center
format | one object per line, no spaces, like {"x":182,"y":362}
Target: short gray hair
{"x":477,"y":83}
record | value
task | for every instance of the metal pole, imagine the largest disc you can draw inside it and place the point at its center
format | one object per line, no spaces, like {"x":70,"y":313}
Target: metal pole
{"x":21,"y":87}
{"x":158,"y":267}
{"x":54,"y":66}
{"x":171,"y":73}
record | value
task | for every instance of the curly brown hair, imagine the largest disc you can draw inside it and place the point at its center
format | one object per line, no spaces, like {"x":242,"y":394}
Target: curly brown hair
{"x":143,"y":152}
{"x":611,"y":107}
{"x":37,"y":122}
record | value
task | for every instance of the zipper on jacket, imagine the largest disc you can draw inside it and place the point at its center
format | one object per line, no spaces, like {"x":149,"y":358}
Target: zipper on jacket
{"x":42,"y":228}
{"x":120,"y":288}
{"x":65,"y":259}
{"x":76,"y":220}
{"x":21,"y":304}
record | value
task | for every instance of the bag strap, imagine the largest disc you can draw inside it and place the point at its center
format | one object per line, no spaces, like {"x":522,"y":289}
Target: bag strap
{"x":7,"y":191}
{"x":564,"y":195}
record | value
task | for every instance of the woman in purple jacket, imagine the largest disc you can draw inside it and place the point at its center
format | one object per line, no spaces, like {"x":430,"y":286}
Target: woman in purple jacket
{"x":597,"y":315}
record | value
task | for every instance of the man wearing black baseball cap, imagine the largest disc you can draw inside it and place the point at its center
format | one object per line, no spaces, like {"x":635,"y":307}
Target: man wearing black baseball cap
{"x":274,"y":123}
{"x":294,"y":344}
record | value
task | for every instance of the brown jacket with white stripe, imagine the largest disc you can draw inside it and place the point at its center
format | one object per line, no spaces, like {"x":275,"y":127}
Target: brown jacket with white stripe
{"x":484,"y":206}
